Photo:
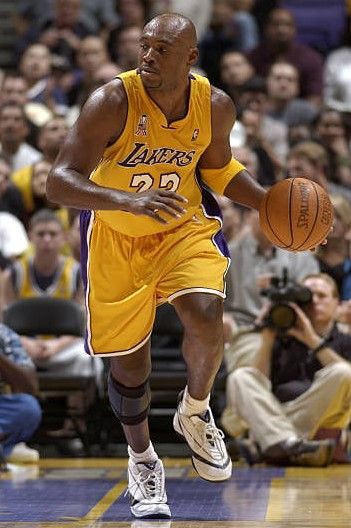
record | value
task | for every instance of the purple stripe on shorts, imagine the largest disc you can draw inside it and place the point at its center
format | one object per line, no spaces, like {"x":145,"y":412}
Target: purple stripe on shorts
{"x":85,"y":217}
{"x":212,"y":209}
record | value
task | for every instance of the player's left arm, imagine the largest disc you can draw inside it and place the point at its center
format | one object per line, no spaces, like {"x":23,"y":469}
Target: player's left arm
{"x":218,"y":169}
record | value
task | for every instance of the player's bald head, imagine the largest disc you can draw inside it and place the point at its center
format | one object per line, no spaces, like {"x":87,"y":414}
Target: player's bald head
{"x":174,"y":25}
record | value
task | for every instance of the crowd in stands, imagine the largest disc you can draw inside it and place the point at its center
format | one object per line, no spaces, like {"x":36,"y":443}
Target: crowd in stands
{"x":287,"y":67}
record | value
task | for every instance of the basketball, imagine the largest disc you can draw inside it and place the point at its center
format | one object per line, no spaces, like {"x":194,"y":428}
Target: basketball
{"x":296,"y":214}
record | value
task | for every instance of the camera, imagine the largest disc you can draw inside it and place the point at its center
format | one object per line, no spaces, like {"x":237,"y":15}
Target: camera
{"x":281,"y":292}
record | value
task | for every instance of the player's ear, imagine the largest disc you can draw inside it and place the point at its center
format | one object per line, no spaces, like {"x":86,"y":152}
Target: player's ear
{"x":193,"y":56}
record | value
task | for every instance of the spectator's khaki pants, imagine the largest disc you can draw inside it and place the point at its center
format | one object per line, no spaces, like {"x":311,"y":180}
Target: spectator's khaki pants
{"x":326,"y":404}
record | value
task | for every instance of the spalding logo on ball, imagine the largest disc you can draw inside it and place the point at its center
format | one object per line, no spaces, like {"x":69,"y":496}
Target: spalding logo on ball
{"x":296,"y":214}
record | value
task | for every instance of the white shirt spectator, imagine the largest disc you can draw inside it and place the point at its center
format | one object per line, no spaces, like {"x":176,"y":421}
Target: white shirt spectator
{"x":13,"y":237}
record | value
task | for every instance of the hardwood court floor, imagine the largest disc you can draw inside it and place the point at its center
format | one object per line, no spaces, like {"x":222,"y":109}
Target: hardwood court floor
{"x":90,"y":493}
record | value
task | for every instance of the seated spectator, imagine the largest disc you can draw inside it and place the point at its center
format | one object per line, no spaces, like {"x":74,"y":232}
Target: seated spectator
{"x":253,"y":96}
{"x":91,"y":54}
{"x":309,"y":159}
{"x":299,"y":386}
{"x":132,"y":12}
{"x":20,"y":413}
{"x":269,"y":166}
{"x":256,"y":262}
{"x":330,"y":130}
{"x":227,"y":30}
{"x":10,"y":197}
{"x":48,"y":272}
{"x":298,"y":134}
{"x":320,"y":23}
{"x":35,"y":66}
{"x":279,"y":44}
{"x":50,"y":139}
{"x":14,"y":89}
{"x":124,"y":46}
{"x":98,"y":16}
{"x":334,"y":258}
{"x":248,"y":158}
{"x":283,"y":103}
{"x":235,"y":71}
{"x":14,"y":130}
{"x":61,"y":30}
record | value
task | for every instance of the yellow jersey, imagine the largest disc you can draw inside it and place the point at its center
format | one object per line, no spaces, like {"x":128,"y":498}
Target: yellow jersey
{"x":152,"y":153}
{"x":64,"y":284}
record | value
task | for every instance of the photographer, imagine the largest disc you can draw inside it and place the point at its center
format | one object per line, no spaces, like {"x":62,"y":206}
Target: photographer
{"x":299,"y":387}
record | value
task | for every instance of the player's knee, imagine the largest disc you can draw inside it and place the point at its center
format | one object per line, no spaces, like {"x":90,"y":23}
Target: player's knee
{"x":130,"y":404}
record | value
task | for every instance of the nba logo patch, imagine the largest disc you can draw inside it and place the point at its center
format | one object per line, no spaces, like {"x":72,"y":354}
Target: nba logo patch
{"x":141,"y":129}
{"x":195,"y":134}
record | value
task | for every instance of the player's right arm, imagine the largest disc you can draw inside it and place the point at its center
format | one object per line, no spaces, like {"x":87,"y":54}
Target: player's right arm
{"x":100,"y":123}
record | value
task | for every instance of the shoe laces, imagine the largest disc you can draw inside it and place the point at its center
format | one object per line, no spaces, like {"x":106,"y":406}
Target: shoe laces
{"x":149,"y":482}
{"x":212,"y":436}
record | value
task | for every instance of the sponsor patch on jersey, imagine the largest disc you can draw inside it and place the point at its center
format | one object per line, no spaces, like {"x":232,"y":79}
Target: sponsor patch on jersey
{"x":195,"y":134}
{"x":141,"y":129}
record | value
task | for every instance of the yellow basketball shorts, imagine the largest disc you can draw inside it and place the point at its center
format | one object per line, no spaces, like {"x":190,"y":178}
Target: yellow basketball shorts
{"x":125,"y":278}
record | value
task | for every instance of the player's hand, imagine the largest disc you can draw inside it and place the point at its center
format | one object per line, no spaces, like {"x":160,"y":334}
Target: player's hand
{"x":153,"y":203}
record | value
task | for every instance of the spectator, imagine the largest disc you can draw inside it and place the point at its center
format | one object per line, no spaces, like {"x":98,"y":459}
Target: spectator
{"x":253,"y":96}
{"x":60,"y":31}
{"x":310,"y":160}
{"x":299,"y":387}
{"x":334,"y":258}
{"x":283,"y":103}
{"x":14,"y":130}
{"x":91,"y":54}
{"x":48,"y":272}
{"x":14,"y":89}
{"x":256,"y":262}
{"x":31,"y":179}
{"x":124,"y":46}
{"x":279,"y":44}
{"x":35,"y":66}
{"x":132,"y":12}
{"x":10,"y":197}
{"x":248,"y":158}
{"x":228,"y":30}
{"x":269,"y":165}
{"x":235,"y":71}
{"x":320,"y":23}
{"x":330,"y":130}
{"x":298,"y":134}
{"x":20,"y":413}
{"x":98,"y":16}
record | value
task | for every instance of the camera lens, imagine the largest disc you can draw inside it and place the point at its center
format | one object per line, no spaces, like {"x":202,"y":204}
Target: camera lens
{"x":282,"y":316}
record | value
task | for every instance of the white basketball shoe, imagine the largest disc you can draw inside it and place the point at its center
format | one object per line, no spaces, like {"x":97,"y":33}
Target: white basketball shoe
{"x":146,"y":488}
{"x":209,"y":453}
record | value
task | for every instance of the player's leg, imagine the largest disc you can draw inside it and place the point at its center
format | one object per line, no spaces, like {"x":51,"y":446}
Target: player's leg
{"x":129,"y":394}
{"x":201,"y":315}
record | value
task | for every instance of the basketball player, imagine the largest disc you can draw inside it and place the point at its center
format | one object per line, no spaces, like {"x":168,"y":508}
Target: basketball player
{"x":137,"y":161}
